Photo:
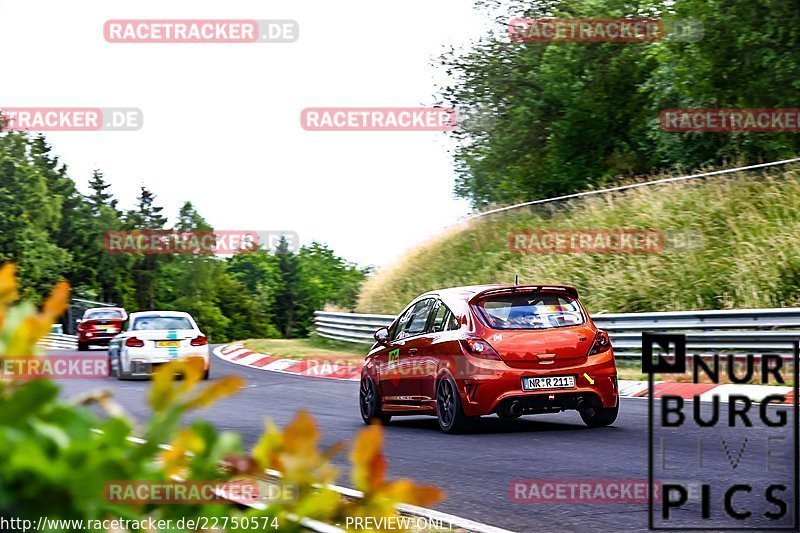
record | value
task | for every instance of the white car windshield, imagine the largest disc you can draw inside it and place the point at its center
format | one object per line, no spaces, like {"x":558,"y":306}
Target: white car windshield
{"x":161,"y":322}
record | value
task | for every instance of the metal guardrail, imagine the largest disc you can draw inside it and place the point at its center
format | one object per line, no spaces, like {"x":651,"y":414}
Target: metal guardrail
{"x":740,"y":330}
{"x":58,"y":341}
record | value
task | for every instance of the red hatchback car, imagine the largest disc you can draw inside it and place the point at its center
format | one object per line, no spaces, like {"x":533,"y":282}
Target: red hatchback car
{"x":99,"y":325}
{"x":511,"y":350}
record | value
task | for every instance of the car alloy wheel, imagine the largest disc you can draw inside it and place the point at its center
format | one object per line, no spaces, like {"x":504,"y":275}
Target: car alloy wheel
{"x":448,"y":408}
{"x":445,"y":403}
{"x":370,"y":403}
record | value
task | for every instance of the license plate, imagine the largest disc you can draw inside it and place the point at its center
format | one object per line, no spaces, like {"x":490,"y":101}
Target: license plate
{"x":168,"y":344}
{"x":550,"y":382}
{"x":111,"y":329}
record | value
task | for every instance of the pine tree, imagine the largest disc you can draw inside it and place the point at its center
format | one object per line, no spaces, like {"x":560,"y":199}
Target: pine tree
{"x":99,"y":196}
{"x":147,"y":215}
{"x":190,"y":220}
{"x":289,"y":293}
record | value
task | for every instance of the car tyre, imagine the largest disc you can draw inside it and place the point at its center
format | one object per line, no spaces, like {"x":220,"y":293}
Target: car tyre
{"x":83,"y":346}
{"x":599,"y":416}
{"x":449,"y":411}
{"x":369,"y":402}
{"x":207,"y":373}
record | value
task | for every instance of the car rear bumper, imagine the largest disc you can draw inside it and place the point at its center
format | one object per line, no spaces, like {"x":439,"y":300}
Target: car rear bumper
{"x":142,"y":361}
{"x":484,"y":393}
{"x":96,"y":338}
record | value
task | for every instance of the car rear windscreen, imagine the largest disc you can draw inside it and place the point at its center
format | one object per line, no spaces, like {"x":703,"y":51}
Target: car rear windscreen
{"x":161,"y":322}
{"x":112,"y":313}
{"x":530,"y":311}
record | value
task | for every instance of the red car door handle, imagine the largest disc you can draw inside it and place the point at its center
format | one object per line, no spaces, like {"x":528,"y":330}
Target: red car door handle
{"x":412,"y":351}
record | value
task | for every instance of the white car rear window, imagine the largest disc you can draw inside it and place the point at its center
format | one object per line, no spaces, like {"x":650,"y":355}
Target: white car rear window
{"x":531,"y":311}
{"x":161,"y":322}
{"x":103,"y":314}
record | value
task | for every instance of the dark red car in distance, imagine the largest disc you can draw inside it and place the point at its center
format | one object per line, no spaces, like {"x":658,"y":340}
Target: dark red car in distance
{"x":99,"y":325}
{"x":511,"y":350}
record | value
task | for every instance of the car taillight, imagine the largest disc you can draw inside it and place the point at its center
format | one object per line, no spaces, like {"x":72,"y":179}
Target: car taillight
{"x":133,"y":342}
{"x":199,"y":341}
{"x":602,"y":343}
{"x":478,"y":347}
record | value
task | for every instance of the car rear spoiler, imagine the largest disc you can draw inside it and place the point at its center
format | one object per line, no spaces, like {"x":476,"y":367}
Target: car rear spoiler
{"x":571,"y":291}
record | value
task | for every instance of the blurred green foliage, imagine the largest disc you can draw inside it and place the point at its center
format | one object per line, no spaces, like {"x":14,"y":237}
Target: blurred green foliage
{"x":57,"y":458}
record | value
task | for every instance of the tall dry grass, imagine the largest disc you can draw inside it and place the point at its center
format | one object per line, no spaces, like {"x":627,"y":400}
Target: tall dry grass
{"x":750,"y":228}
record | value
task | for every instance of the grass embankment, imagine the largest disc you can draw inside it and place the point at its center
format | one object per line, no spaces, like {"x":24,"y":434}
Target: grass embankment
{"x":750,"y":227}
{"x":314,"y":347}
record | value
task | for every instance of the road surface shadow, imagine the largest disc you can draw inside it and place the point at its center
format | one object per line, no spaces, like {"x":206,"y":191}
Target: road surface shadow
{"x":493,"y":425}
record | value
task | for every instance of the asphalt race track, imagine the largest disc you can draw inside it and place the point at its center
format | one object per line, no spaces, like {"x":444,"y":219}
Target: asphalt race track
{"x":474,"y":469}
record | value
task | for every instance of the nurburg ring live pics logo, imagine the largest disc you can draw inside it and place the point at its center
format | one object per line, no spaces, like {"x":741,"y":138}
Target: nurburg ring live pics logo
{"x":723,"y":451}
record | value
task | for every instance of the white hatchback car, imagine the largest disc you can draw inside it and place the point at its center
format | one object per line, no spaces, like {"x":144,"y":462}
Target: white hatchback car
{"x":151,"y":338}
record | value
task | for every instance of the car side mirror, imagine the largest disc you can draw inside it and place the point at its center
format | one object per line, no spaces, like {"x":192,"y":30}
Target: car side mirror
{"x":382,"y":335}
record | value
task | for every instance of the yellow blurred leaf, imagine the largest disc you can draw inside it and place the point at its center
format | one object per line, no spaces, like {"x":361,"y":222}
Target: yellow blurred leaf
{"x":221,"y":388}
{"x":294,"y":452}
{"x":192,"y":370}
{"x":405,"y":491}
{"x":22,"y":341}
{"x":301,"y":435}
{"x":162,"y":393}
{"x":335,"y":449}
{"x":23,"y":338}
{"x":265,"y":452}
{"x":320,"y":505}
{"x":368,"y":464}
{"x":369,"y":476}
{"x":8,"y":284}
{"x":175,"y":458}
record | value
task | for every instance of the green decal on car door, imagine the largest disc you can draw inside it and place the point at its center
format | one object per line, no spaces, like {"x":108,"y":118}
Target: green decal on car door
{"x":394,"y":357}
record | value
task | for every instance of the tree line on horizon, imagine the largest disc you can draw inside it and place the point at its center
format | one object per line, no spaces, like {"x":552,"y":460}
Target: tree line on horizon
{"x":52,"y":232}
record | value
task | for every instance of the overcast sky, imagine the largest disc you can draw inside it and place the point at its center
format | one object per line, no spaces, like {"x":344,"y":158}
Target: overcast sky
{"x":221,"y":121}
